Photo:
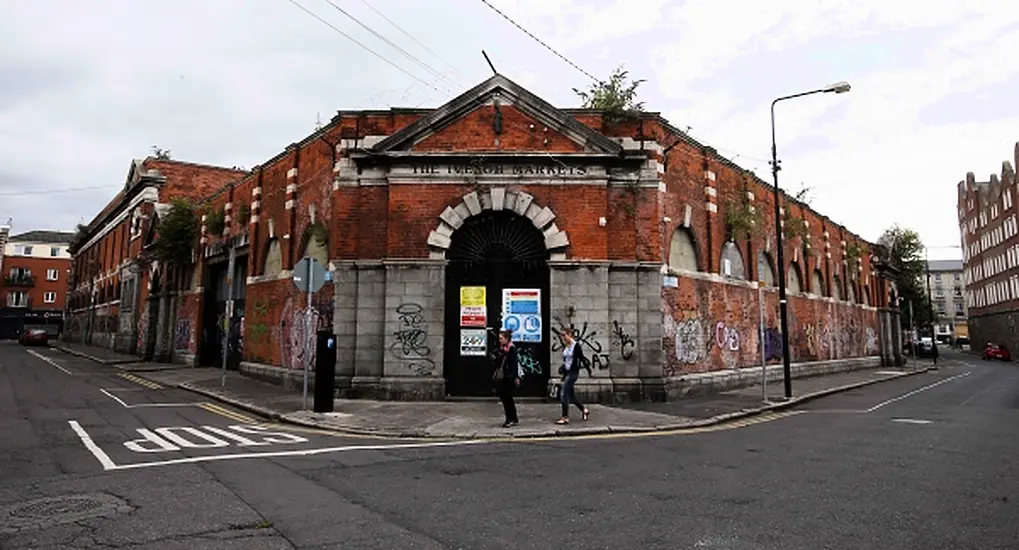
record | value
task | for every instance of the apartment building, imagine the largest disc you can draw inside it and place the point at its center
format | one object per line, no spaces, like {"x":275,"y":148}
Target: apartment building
{"x":989,"y":224}
{"x":36,"y":266}
{"x":948,"y":288}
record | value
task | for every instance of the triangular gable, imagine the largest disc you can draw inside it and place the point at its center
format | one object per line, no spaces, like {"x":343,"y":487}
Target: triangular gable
{"x":523,"y":100}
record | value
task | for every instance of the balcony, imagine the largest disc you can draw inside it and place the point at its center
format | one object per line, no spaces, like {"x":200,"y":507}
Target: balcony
{"x":19,"y":281}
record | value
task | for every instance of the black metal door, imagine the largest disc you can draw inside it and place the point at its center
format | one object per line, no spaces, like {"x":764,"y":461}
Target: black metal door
{"x":213,"y":311}
{"x":495,"y":250}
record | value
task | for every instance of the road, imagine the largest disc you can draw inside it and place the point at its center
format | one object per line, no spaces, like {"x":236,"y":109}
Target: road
{"x":925,"y":462}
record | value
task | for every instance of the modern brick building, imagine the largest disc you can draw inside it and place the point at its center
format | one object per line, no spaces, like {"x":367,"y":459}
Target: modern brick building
{"x":989,"y":223}
{"x":497,"y":209}
{"x":949,"y":300}
{"x":35,"y":266}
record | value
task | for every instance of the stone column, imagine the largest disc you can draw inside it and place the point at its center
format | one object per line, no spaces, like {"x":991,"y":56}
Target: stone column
{"x":579,"y":301}
{"x":625,"y":353}
{"x":345,"y":323}
{"x":369,"y":319}
{"x":414,"y":317}
{"x":650,"y":312}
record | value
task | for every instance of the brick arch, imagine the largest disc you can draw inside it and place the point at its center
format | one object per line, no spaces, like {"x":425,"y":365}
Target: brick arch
{"x":498,"y":199}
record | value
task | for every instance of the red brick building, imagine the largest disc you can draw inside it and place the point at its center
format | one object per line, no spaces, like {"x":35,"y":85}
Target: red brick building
{"x":440,"y":225}
{"x":989,"y":224}
{"x":35,"y":266}
{"x":112,"y":302}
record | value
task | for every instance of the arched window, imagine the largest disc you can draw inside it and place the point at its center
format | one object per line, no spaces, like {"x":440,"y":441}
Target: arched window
{"x":682,"y":252}
{"x":273,"y":264}
{"x":793,"y":281}
{"x":817,"y":283}
{"x":836,"y":287}
{"x":732,"y":262}
{"x":765,"y":274}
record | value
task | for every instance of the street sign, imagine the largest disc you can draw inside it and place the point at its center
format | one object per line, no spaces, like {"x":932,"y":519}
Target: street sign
{"x":318,"y":275}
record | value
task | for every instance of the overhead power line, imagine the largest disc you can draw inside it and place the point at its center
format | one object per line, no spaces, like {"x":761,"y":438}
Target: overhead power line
{"x":65,"y":190}
{"x":539,"y":41}
{"x":366,"y":48}
{"x":396,"y":47}
{"x":419,"y":43}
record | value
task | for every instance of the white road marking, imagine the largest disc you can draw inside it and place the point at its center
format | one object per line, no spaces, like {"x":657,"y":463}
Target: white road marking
{"x":912,"y":421}
{"x":48,"y":360}
{"x":304,"y":452}
{"x":145,"y":405}
{"x":86,"y":439}
{"x":889,"y":372}
{"x":108,"y":464}
{"x":914,"y":392}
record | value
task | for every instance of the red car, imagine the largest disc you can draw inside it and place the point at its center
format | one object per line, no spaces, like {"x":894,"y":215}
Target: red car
{"x":996,"y":351}
{"x":34,"y":337}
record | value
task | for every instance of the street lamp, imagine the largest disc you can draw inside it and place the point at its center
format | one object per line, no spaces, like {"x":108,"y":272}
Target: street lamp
{"x":838,"y":88}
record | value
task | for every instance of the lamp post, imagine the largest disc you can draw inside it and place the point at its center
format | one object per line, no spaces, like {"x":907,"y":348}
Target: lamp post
{"x":838,"y":88}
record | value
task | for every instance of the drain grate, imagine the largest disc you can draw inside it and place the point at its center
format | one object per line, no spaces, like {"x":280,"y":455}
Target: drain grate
{"x":49,"y":511}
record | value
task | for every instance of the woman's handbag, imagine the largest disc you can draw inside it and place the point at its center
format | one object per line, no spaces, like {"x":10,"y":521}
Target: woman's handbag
{"x":500,"y":372}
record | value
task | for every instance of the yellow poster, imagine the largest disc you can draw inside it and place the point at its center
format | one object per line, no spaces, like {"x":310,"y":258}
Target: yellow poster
{"x":473,"y":312}
{"x":472,"y":296}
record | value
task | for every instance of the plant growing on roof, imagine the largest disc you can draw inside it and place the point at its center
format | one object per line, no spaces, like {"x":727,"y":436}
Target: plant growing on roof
{"x":318,"y":231}
{"x":853,"y":254}
{"x":177,"y":234}
{"x":215,"y":221}
{"x":742,"y":220}
{"x":616,"y":97}
{"x":243,"y":215}
{"x":78,"y":240}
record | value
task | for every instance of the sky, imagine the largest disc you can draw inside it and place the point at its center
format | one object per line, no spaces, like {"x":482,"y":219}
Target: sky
{"x":87,"y":86}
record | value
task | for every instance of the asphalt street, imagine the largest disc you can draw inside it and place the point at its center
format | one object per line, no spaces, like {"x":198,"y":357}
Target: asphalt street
{"x":91,"y":457}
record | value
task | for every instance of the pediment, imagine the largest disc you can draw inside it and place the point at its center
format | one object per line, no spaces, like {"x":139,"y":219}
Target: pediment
{"x":518,"y":108}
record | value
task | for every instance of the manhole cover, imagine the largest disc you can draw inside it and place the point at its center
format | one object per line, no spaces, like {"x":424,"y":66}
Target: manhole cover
{"x":50,"y":511}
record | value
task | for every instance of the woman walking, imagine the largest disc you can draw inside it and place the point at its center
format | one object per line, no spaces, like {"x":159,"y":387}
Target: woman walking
{"x":573,"y":361}
{"x":506,"y":377}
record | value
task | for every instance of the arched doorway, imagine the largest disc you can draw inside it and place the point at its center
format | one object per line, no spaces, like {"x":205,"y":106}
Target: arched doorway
{"x":496,"y":250}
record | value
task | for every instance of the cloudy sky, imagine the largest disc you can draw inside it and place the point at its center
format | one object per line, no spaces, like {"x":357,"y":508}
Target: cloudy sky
{"x":86,"y":85}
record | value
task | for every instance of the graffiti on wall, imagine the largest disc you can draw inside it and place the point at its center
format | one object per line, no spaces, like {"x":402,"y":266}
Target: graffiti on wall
{"x":726,"y":337}
{"x":182,"y":336}
{"x":772,"y":344}
{"x":410,"y":343}
{"x":298,"y":327}
{"x":143,"y":326}
{"x":528,"y":362}
{"x":871,"y":341}
{"x":692,"y":345}
{"x":584,"y":338}
{"x":623,"y":342}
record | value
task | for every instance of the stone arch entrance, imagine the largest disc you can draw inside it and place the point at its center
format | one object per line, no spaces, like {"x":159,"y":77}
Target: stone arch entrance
{"x":497,"y":241}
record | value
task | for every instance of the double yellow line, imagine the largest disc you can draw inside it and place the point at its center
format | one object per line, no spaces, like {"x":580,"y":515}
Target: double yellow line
{"x":140,"y":381}
{"x":221,"y":411}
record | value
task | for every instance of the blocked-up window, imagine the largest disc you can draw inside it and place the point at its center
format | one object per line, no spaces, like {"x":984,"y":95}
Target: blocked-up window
{"x":682,"y":253}
{"x":765,"y":274}
{"x":732,"y":262}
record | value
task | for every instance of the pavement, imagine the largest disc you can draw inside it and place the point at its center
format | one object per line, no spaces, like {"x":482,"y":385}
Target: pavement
{"x":96,"y":457}
{"x":482,"y":419}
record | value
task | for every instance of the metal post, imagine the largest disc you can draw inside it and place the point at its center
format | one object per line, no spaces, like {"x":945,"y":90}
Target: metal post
{"x":930,"y":305}
{"x":764,"y":359}
{"x":308,"y":341}
{"x":783,"y":316}
{"x":228,"y":313}
{"x":912,"y":331}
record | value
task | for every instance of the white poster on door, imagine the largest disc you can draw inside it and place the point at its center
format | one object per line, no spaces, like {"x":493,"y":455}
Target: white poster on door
{"x":473,"y":341}
{"x":521,"y":313}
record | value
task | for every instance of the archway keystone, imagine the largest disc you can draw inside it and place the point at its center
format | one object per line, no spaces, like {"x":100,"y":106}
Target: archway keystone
{"x":498,"y":198}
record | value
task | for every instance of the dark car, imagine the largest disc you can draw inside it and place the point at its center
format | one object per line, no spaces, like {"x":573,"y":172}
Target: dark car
{"x":996,"y":351}
{"x":34,"y":337}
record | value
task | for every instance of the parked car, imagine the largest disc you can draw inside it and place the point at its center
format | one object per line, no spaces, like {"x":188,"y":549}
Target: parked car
{"x":996,"y":351}
{"x":34,"y":337}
